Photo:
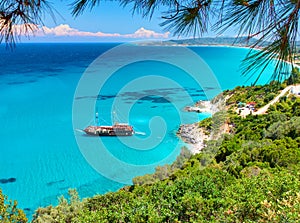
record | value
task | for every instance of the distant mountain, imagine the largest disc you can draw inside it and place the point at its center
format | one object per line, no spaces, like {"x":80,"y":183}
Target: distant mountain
{"x":233,"y":41}
{"x":239,"y":41}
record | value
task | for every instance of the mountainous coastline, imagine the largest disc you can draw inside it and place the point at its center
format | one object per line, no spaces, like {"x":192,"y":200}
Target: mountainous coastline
{"x":250,"y":174}
{"x":240,"y":41}
{"x":230,"y":41}
{"x":242,"y":175}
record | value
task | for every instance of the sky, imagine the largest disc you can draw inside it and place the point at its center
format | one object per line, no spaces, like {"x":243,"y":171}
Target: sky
{"x":107,"y":22}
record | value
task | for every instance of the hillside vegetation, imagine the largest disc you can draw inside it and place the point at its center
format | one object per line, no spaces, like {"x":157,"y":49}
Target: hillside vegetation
{"x":249,"y":175}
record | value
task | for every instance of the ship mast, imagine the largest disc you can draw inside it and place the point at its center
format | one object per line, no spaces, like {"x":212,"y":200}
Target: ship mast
{"x":97,"y":117}
{"x":114,"y":117}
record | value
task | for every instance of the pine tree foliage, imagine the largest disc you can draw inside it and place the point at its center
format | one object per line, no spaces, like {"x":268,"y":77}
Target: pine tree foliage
{"x":21,"y":17}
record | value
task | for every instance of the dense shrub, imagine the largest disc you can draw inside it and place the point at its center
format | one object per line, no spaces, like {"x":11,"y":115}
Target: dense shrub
{"x":9,"y":212}
{"x":250,"y":175}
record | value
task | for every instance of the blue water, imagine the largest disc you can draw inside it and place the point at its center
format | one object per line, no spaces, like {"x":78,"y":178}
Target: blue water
{"x":41,"y":150}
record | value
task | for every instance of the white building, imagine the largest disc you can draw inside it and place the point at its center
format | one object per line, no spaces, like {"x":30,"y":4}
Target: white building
{"x":295,"y":90}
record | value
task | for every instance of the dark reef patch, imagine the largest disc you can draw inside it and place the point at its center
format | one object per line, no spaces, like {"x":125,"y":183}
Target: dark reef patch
{"x":210,"y":88}
{"x":16,"y":82}
{"x":8,"y":180}
{"x":164,"y":92}
{"x":195,"y":95}
{"x":105,"y":97}
{"x":161,"y":100}
{"x":55,"y":182}
{"x":85,"y":97}
{"x":155,"y":99}
{"x":52,"y":75}
{"x":98,"y":97}
{"x":21,"y":82}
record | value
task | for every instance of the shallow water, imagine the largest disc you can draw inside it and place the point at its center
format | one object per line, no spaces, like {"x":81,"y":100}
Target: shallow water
{"x":40,"y":158}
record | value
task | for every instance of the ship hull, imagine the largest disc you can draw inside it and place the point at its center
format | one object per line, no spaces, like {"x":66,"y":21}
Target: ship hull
{"x":109,"y":134}
{"x":115,"y":130}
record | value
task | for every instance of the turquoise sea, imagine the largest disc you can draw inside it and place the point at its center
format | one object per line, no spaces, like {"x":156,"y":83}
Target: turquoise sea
{"x":41,"y":152}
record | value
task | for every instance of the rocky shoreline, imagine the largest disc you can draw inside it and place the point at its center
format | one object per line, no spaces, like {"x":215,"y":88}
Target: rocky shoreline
{"x":194,"y":136}
{"x":200,"y":107}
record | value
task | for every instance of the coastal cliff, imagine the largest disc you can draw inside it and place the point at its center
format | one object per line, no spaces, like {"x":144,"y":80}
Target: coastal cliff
{"x":196,"y":135}
{"x":250,"y":175}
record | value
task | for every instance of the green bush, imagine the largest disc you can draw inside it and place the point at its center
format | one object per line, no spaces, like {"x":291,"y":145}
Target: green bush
{"x":250,"y":175}
{"x":9,"y":212}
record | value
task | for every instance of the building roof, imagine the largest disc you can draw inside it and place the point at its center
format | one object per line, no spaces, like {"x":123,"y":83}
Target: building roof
{"x":295,"y":89}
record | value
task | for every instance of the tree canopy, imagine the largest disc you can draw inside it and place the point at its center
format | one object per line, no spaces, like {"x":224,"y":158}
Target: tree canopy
{"x":9,"y":212}
{"x":269,"y":21}
{"x":252,"y":177}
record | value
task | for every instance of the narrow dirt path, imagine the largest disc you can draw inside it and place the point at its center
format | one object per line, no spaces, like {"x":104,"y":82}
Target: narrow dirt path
{"x":265,"y":108}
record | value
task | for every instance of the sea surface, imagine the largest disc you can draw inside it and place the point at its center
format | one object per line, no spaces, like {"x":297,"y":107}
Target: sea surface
{"x":42,"y":150}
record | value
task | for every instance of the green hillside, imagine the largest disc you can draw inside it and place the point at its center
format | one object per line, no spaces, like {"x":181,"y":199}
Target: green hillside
{"x":250,"y":174}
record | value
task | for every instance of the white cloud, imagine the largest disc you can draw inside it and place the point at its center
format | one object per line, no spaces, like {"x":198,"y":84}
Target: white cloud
{"x":66,"y":30}
{"x":144,"y":33}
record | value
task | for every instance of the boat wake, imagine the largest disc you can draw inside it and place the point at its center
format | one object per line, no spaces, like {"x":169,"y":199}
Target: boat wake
{"x":140,"y":133}
{"x":79,"y":130}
